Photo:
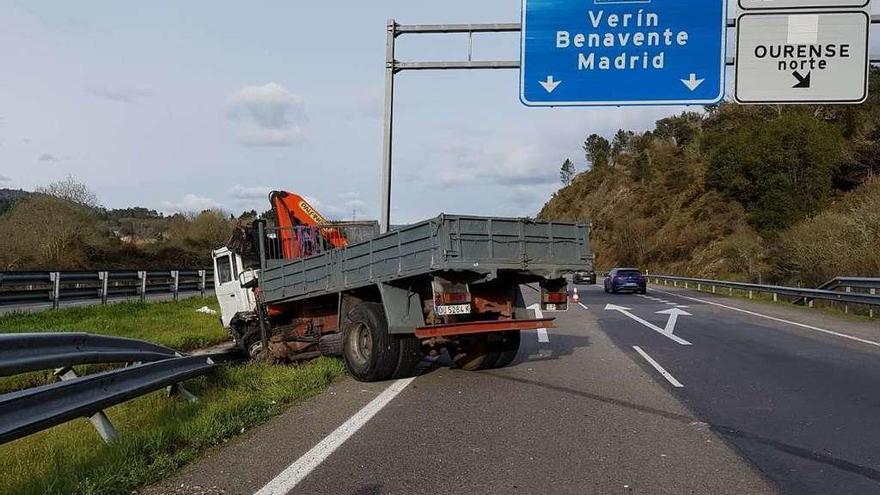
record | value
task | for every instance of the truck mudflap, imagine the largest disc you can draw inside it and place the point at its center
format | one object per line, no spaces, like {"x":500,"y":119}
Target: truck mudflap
{"x":473,"y":327}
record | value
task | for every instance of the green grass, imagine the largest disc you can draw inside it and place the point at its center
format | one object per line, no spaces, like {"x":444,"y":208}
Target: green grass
{"x":159,"y":434}
{"x":172,"y":324}
{"x":176,"y":325}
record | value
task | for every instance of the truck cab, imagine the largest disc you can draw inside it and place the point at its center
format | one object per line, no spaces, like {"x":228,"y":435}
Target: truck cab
{"x":231,"y":285}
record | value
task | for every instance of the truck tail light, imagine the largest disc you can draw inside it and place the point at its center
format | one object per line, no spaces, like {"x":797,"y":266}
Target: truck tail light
{"x":451,"y":298}
{"x":554,"y":299}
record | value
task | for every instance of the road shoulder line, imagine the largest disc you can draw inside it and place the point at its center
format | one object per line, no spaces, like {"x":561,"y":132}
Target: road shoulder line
{"x":780,"y":320}
{"x":296,"y":472}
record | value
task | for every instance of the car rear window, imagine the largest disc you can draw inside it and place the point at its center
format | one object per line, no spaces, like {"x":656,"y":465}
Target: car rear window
{"x":629,"y":273}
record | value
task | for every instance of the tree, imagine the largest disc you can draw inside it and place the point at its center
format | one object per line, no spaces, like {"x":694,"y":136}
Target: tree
{"x":566,"y":173}
{"x":45,"y":232}
{"x":598,"y":151}
{"x":779,"y":169}
{"x":70,"y":190}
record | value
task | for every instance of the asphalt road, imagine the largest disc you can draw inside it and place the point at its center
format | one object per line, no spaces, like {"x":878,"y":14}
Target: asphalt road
{"x":606,"y":404}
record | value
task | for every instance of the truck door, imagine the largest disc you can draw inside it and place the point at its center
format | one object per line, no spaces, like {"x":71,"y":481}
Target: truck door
{"x":230,"y":294}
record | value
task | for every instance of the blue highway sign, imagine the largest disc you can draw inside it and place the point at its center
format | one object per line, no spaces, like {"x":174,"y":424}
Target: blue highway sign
{"x":623,"y":52}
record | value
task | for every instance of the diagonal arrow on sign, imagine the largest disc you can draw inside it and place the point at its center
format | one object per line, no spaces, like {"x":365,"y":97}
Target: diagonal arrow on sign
{"x":626,"y":311}
{"x":673,"y":313}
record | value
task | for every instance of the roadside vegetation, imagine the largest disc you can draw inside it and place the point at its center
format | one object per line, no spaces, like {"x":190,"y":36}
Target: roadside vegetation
{"x":158,"y":433}
{"x":769,"y":194}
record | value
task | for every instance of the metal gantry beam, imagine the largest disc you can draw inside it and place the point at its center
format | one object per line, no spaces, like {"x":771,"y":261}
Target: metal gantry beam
{"x":393,"y":66}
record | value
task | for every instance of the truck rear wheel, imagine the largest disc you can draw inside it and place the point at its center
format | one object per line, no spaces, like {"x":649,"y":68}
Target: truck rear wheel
{"x":410,"y":356}
{"x":507,"y":346}
{"x":473,"y":353}
{"x":370,"y":353}
{"x":330,"y":344}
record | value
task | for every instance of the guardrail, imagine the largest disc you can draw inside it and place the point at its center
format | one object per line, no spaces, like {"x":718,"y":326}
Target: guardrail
{"x":807,"y":296}
{"x":18,"y":288}
{"x":151,"y":368}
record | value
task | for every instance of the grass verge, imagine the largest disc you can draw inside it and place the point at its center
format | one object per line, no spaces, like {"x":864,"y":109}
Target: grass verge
{"x":158,"y":434}
{"x":173,"y":324}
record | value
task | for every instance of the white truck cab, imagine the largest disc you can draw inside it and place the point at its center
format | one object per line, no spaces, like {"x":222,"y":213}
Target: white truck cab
{"x":230,"y":279}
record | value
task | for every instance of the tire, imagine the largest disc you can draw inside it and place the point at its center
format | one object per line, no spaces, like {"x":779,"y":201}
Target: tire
{"x":253,"y":346}
{"x":472,"y":353}
{"x":330,"y":344}
{"x":369,"y":351}
{"x":410,"y":357}
{"x":508,"y":348}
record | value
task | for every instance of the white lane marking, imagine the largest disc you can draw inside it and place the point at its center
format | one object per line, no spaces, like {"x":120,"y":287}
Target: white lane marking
{"x":543,"y":336}
{"x":296,"y":472}
{"x":582,"y":305}
{"x":671,"y":379}
{"x":626,"y":311}
{"x":780,"y":320}
{"x":682,"y":306}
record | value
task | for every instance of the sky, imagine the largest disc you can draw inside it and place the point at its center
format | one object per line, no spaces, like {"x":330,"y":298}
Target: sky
{"x":182,"y":106}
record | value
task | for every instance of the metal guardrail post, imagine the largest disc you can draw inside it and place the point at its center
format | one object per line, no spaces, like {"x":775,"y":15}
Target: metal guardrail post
{"x":104,"y":277}
{"x":202,"y":282}
{"x":713,"y":289}
{"x":55,"y":277}
{"x":775,"y":297}
{"x":142,"y":278}
{"x":848,"y":290}
{"x":871,"y":310}
{"x":175,"y":283}
{"x":99,"y":420}
{"x":751,"y":294}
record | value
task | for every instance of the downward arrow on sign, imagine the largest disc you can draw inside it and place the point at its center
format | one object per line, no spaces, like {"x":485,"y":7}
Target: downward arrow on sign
{"x":550,"y":84}
{"x":693,"y":83}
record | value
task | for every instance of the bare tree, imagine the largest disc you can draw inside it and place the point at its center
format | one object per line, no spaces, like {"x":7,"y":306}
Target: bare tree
{"x":70,"y":189}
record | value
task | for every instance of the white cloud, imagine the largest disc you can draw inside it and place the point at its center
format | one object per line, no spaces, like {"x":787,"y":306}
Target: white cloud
{"x":243,"y":193}
{"x":119,"y":95}
{"x":267,"y":115}
{"x":4,"y":179}
{"x":47,"y":157}
{"x":191,"y":203}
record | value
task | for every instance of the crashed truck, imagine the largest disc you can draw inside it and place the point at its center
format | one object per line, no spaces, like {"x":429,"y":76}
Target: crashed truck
{"x":306,"y":287}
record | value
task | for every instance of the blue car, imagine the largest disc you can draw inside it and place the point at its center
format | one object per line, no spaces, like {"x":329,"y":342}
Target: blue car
{"x":626,"y":279}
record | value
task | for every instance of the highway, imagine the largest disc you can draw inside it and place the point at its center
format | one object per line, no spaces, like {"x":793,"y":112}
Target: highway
{"x":733,"y":396}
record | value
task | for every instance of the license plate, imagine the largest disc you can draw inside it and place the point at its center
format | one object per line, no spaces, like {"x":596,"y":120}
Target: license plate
{"x":452,"y":309}
{"x":551,"y":307}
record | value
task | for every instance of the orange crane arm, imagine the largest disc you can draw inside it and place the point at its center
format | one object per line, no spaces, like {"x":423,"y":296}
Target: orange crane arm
{"x":291,"y":211}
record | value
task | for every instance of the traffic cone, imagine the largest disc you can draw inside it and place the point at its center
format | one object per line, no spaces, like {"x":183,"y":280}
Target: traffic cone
{"x":575,"y":297}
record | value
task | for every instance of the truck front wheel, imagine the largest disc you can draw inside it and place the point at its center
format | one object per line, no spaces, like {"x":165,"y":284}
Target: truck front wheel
{"x":371,"y":354}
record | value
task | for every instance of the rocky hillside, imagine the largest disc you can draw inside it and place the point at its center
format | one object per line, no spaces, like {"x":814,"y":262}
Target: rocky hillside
{"x":782,"y":194}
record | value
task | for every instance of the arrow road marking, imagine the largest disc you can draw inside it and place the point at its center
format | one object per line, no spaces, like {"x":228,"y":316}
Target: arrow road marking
{"x":673,"y":313}
{"x":693,"y":83}
{"x":550,"y":84}
{"x":671,"y":379}
{"x":626,"y":312}
{"x":803,"y":81}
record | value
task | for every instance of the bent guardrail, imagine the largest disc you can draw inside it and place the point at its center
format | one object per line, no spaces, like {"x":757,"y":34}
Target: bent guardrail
{"x":17,"y":288}
{"x":870,"y":298}
{"x":152,"y":367}
{"x":20,"y":353}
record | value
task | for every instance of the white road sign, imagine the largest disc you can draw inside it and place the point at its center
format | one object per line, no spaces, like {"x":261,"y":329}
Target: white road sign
{"x":815,"y":57}
{"x":801,"y":4}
